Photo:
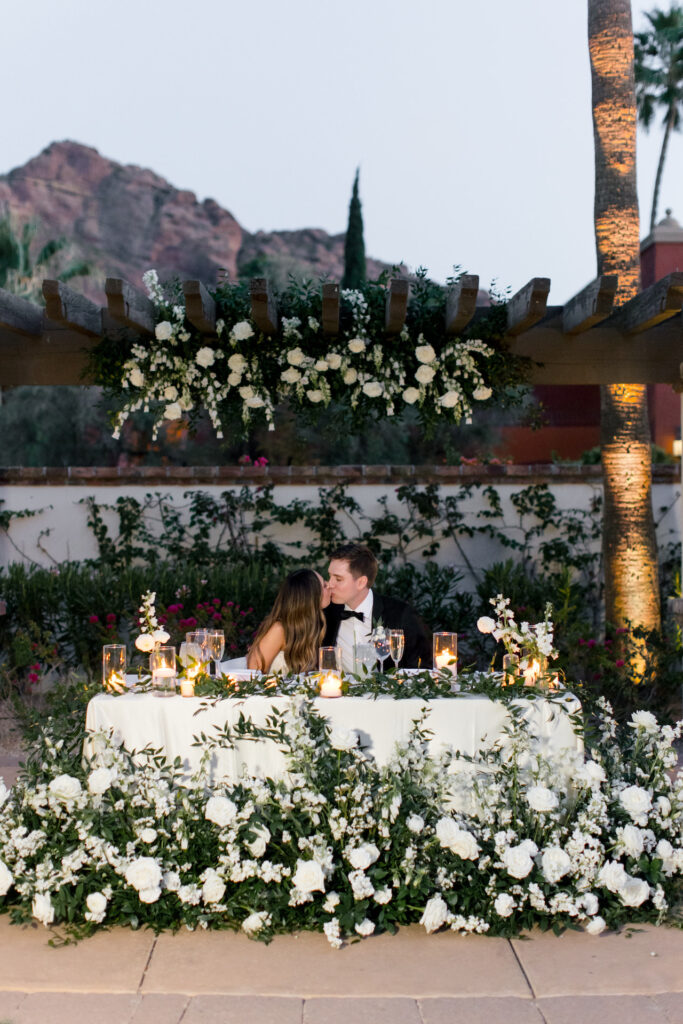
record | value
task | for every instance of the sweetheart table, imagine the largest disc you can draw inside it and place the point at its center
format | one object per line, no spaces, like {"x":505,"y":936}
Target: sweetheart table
{"x":466,"y":723}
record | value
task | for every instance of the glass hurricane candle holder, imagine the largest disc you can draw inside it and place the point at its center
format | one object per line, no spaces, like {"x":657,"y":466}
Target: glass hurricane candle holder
{"x":163,"y":668}
{"x":330,"y":685}
{"x":510,"y":669}
{"x":114,"y":667}
{"x":445,"y":652}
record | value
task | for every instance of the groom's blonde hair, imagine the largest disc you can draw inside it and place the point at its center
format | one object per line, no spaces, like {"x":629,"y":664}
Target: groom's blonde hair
{"x":362,"y":561}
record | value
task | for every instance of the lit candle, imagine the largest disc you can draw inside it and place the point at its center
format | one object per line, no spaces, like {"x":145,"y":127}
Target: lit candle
{"x":532,"y":673}
{"x":331,"y":685}
{"x":164,"y":680}
{"x":187,"y":687}
{"x":116,"y":682}
{"x":446,"y":660}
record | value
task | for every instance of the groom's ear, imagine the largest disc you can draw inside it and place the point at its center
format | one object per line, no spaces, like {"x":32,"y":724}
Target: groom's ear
{"x":362,"y":582}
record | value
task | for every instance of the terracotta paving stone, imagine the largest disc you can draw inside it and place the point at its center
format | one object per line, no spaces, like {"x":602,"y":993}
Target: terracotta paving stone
{"x":70,"y":1008}
{"x":672,"y":1004}
{"x":361,"y":1011}
{"x":480,"y":1011}
{"x":410,"y":964}
{"x":243,"y":1010}
{"x":602,"y":1010}
{"x":107,"y":962}
{"x":608,"y":964}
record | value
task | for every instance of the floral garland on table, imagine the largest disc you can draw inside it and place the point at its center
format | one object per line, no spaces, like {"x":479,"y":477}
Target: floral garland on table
{"x":247,"y":373}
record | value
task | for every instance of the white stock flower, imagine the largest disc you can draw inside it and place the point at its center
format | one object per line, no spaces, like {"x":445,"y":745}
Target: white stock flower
{"x":666,"y":853}
{"x":456,"y":839}
{"x":308,"y":877}
{"x":170,"y":393}
{"x":148,"y":835}
{"x":163,"y":331}
{"x":449,"y":400}
{"x":592,"y":773}
{"x":4,"y":792}
{"x":373,"y":389}
{"x":541,"y":799}
{"x":612,"y":876}
{"x":504,"y":904}
{"x":291,"y":375}
{"x":6,"y":878}
{"x":555,"y":864}
{"x":415,"y":823}
{"x":333,"y":360}
{"x":425,"y":374}
{"x":363,"y":856}
{"x":315,"y":396}
{"x":42,"y":909}
{"x":518,"y":860}
{"x":365,"y":928}
{"x":644,"y":720}
{"x":411,"y":395}
{"x":634,"y":891}
{"x":213,"y":888}
{"x":254,"y":401}
{"x":173,"y":411}
{"x":632,"y":840}
{"x":220,"y":810}
{"x":295,"y":356}
{"x":137,"y":377}
{"x":596,"y":925}
{"x":331,"y":902}
{"x":144,"y":643}
{"x":485,"y":624}
{"x":237,"y":363}
{"x":65,"y":788}
{"x":663,"y":805}
{"x":205,"y":357}
{"x":425,"y":354}
{"x":435,"y":914}
{"x":636,"y":801}
{"x":100,"y":780}
{"x":160,"y":636}
{"x":350,"y":376}
{"x":144,"y":875}
{"x":247,"y":392}
{"x":255,"y":922}
{"x":242,"y":331}
{"x":257,"y":846}
{"x":590,"y":903}
{"x":482,"y":393}
{"x":343,"y":739}
{"x":356,"y":345}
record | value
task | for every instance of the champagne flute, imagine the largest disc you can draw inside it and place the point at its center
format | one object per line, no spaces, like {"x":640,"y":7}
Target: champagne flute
{"x":397,"y":643}
{"x":216,"y":647}
{"x":380,"y":639}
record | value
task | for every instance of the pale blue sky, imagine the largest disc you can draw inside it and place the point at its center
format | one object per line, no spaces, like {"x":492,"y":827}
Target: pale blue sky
{"x":471,"y":122}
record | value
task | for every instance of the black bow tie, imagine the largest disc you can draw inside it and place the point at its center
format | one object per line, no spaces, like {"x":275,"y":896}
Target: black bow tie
{"x":348,"y":614}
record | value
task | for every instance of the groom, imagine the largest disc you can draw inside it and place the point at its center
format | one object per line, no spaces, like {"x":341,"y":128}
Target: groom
{"x":356,"y":609}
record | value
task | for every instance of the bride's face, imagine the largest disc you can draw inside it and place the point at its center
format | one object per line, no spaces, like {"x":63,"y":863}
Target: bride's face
{"x":325,"y":599}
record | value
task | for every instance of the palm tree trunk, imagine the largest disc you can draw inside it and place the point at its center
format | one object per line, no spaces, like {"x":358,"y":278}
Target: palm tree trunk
{"x":629,"y":546}
{"x":660,"y":166}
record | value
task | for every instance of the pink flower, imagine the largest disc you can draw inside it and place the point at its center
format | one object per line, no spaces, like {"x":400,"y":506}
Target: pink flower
{"x":93,"y":618}
{"x":216,"y":601}
{"x":111,"y":616}
{"x":591,"y":643}
{"x":620,"y":663}
{"x":110,"y":625}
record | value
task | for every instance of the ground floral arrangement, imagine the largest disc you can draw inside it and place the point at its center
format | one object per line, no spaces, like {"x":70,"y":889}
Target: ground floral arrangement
{"x":344,"y":846}
{"x":242,"y":373}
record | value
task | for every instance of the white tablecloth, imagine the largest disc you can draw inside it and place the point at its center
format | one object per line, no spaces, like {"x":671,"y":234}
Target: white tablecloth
{"x":465,"y":724}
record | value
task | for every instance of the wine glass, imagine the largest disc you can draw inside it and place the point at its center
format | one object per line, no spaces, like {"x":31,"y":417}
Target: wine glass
{"x":380,"y":639}
{"x":397,"y":643}
{"x":201,"y":638}
{"x":216,"y":647}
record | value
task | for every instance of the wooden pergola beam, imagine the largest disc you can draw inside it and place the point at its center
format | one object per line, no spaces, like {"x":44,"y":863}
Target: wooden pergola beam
{"x":397,"y":305}
{"x":20,"y":315}
{"x":128,"y":306}
{"x":67,"y":307}
{"x":461,"y":303}
{"x":659,"y":302}
{"x":263,"y":305}
{"x":528,"y":305}
{"x":592,"y":305}
{"x":200,"y":308}
{"x":330,"y":315}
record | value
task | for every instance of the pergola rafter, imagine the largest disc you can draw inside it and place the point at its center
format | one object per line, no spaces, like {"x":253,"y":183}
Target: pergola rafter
{"x":583,"y":342}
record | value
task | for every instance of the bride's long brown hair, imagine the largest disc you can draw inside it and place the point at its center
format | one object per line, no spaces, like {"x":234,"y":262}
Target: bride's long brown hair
{"x":297,"y":609}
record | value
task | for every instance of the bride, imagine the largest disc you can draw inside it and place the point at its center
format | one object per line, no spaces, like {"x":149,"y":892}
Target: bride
{"x":288,"y":638}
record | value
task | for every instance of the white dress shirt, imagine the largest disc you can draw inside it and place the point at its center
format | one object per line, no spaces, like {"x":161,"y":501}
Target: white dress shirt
{"x":352,"y":631}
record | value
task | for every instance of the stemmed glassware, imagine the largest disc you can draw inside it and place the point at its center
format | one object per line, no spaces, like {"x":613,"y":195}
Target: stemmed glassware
{"x":380,"y":639}
{"x":397,"y":643}
{"x":201,"y":638}
{"x":216,"y":647}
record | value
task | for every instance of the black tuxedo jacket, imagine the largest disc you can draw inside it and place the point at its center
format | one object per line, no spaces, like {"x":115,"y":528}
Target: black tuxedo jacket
{"x":394,"y":614}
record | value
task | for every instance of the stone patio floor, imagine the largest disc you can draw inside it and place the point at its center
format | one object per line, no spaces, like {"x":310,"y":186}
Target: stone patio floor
{"x":126,"y":977}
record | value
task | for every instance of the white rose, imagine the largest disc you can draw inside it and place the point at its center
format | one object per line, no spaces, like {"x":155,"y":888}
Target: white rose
{"x":170,"y":393}
{"x":242,"y":330}
{"x":150,"y":895}
{"x":148,"y":835}
{"x":450,"y":399}
{"x":636,"y":802}
{"x":220,"y":810}
{"x":4,"y":792}
{"x":590,"y":903}
{"x":365,"y":928}
{"x":612,"y":876}
{"x":435,"y":914}
{"x":485,"y":624}
{"x":333,"y":360}
{"x":6,"y":878}
{"x":666,"y":854}
{"x":42,"y":909}
{"x":351,"y":376}
{"x":247,"y":392}
{"x":163,"y":331}
{"x":343,"y":739}
{"x":255,"y":922}
{"x":596,"y":926}
{"x":632,"y":840}
{"x":96,"y":903}
{"x":504,"y":904}
{"x":255,"y":401}
{"x":555,"y":864}
{"x":308,"y":877}
{"x":456,"y":839}
{"x":66,"y":788}
{"x":173,"y":411}
{"x":518,"y":860}
{"x":291,"y":375}
{"x":144,"y":643}
{"x":481,"y":394}
{"x":257,"y":846}
{"x":321,"y":365}
{"x":100,"y":780}
{"x":663,"y":805}
{"x":541,"y":799}
{"x":234,"y":379}
{"x":144,"y":875}
{"x":213,"y":888}
{"x":411,"y":395}
{"x":295,"y":356}
{"x":314,"y":396}
{"x":634,"y":892}
{"x":644,"y":720}
{"x":237,"y":363}
{"x":136,"y":377}
{"x":171,"y":881}
{"x":373,"y":389}
{"x":592,"y":772}
{"x":415,"y":823}
{"x":363,"y":856}
{"x":356,"y":345}
{"x":425,"y":374}
{"x":205,"y":357}
{"x":425,"y":354}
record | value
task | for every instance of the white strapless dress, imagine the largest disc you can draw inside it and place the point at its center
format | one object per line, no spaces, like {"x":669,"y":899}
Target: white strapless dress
{"x":279,"y":664}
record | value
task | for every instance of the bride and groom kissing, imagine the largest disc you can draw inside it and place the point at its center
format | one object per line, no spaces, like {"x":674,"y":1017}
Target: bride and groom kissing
{"x":310,"y":612}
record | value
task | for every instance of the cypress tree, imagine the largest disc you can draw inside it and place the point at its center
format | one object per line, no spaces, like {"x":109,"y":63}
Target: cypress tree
{"x":354,"y":246}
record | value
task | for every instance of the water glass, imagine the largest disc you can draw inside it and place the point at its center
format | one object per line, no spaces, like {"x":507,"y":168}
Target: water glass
{"x":364,"y":658}
{"x":163,"y":668}
{"x":201,"y":638}
{"x":329,"y":659}
{"x":114,"y":667}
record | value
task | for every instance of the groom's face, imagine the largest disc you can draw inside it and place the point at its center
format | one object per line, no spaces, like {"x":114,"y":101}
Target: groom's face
{"x":345,"y":588}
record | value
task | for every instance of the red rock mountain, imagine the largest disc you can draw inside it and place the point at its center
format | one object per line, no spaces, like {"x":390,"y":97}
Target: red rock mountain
{"x":126,"y":219}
